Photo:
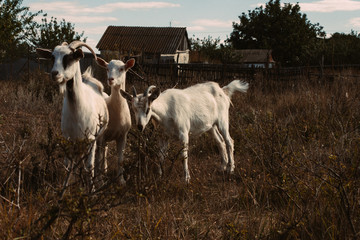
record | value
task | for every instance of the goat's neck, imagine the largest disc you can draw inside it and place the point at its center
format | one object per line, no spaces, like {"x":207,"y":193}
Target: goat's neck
{"x":73,"y":86}
{"x":158,"y":113}
{"x":115,"y":92}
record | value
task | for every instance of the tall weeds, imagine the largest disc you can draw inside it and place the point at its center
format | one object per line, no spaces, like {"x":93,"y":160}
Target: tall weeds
{"x":297,"y":155}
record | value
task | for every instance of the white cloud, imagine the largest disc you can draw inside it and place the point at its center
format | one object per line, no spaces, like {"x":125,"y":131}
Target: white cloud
{"x":86,"y":19}
{"x":213,"y":23}
{"x":327,"y":6}
{"x":94,"y":30}
{"x":355,"y":22}
{"x":139,"y":5}
{"x":74,"y":7}
{"x":195,"y":28}
{"x":330,"y":6}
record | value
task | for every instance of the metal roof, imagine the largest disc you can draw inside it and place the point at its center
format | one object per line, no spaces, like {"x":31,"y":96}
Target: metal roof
{"x":254,"y":55}
{"x":165,"y":40}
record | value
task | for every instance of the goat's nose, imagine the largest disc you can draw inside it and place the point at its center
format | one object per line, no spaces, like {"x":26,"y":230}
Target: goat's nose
{"x":111,"y":80}
{"x":140,"y":127}
{"x":54,"y":74}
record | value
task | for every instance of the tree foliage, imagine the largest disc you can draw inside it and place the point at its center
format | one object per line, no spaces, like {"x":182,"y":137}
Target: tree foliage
{"x":342,"y":48}
{"x":53,"y":33}
{"x":212,"y":50}
{"x":282,"y":28}
{"x":19,"y":31}
{"x":16,"y":26}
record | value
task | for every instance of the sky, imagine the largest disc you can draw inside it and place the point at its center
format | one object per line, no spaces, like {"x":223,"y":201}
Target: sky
{"x":202,"y":18}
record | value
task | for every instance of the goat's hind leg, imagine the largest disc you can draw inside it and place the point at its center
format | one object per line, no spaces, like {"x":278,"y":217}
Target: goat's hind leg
{"x":222,"y":147}
{"x":229,"y":142}
{"x":185,"y":140}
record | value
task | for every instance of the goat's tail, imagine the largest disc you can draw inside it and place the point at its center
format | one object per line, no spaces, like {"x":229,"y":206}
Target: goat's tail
{"x":235,"y":86}
{"x":93,"y":82}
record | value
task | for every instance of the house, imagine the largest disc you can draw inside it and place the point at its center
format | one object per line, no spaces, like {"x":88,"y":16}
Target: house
{"x":254,"y":58}
{"x":147,"y":44}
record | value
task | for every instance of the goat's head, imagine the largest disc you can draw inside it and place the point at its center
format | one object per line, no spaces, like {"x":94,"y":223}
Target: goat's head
{"x":65,"y":57}
{"x":141,"y":104}
{"x":116,"y":70}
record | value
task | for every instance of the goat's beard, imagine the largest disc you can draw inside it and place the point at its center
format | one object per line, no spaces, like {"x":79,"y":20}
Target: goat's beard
{"x":62,"y":87}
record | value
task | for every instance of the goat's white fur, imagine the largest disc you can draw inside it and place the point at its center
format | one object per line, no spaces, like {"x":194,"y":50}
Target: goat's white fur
{"x":119,"y":112}
{"x":84,"y":112}
{"x":191,"y":111}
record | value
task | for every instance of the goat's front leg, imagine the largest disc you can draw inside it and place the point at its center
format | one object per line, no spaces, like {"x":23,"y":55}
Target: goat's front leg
{"x":90,"y":165}
{"x":120,"y":145}
{"x":163,"y":147}
{"x":101,"y":160}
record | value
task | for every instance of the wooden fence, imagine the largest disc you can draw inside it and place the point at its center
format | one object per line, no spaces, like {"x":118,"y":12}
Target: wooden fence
{"x":185,"y":74}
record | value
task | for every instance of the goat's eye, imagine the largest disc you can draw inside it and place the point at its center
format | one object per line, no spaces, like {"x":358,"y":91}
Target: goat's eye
{"x":121,"y":69}
{"x":66,"y":60}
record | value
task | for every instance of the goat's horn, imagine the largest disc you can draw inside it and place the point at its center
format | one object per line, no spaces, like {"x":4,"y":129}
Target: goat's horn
{"x":76,"y":44}
{"x":134,"y":91}
{"x":147,"y":91}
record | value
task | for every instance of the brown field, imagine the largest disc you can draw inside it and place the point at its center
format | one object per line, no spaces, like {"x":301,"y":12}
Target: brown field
{"x":297,"y":155}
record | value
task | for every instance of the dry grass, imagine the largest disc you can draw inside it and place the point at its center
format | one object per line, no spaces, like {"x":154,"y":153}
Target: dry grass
{"x":297,"y":154}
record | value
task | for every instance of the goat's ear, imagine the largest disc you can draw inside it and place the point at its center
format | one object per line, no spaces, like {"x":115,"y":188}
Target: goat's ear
{"x":78,"y":54}
{"x":44,"y":53}
{"x":154,"y":95}
{"x":126,"y":95}
{"x":101,"y":62}
{"x":129,"y":63}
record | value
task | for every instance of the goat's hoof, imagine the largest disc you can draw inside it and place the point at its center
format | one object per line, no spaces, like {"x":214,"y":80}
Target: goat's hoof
{"x":230,"y":170}
{"x":122,"y":181}
{"x":223,"y":168}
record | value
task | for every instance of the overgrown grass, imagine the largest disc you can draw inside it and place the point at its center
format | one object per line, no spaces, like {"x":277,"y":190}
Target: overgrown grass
{"x":297,"y":155}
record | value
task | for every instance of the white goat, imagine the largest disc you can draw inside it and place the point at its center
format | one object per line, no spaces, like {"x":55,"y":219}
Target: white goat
{"x":193,"y":110}
{"x":84,"y":112}
{"x":119,"y":112}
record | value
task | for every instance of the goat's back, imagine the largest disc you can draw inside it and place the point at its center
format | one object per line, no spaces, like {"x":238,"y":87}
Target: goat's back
{"x":196,"y":108}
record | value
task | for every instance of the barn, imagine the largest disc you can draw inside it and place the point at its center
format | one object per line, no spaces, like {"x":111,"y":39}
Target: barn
{"x":146,"y":44}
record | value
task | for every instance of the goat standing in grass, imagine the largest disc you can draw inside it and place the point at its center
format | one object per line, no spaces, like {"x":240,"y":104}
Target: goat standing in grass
{"x":119,"y":112}
{"x":84,"y":113}
{"x":194,"y":110}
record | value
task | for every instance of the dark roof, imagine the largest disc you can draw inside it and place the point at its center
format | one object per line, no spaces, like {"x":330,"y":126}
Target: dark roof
{"x":254,"y":55}
{"x":165,"y":40}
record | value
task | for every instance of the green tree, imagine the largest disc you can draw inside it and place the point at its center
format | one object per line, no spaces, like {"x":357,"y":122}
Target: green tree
{"x":53,"y":33}
{"x":212,"y":49}
{"x":282,"y":28}
{"x":16,"y":27}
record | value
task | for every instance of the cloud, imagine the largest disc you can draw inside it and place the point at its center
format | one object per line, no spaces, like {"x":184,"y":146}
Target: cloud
{"x":74,"y":7}
{"x":86,"y":19}
{"x":213,"y":23}
{"x":327,"y":6}
{"x":195,"y":28}
{"x":355,"y":22}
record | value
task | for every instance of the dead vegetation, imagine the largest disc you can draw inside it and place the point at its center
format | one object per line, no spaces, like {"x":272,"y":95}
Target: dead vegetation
{"x":297,"y":156}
